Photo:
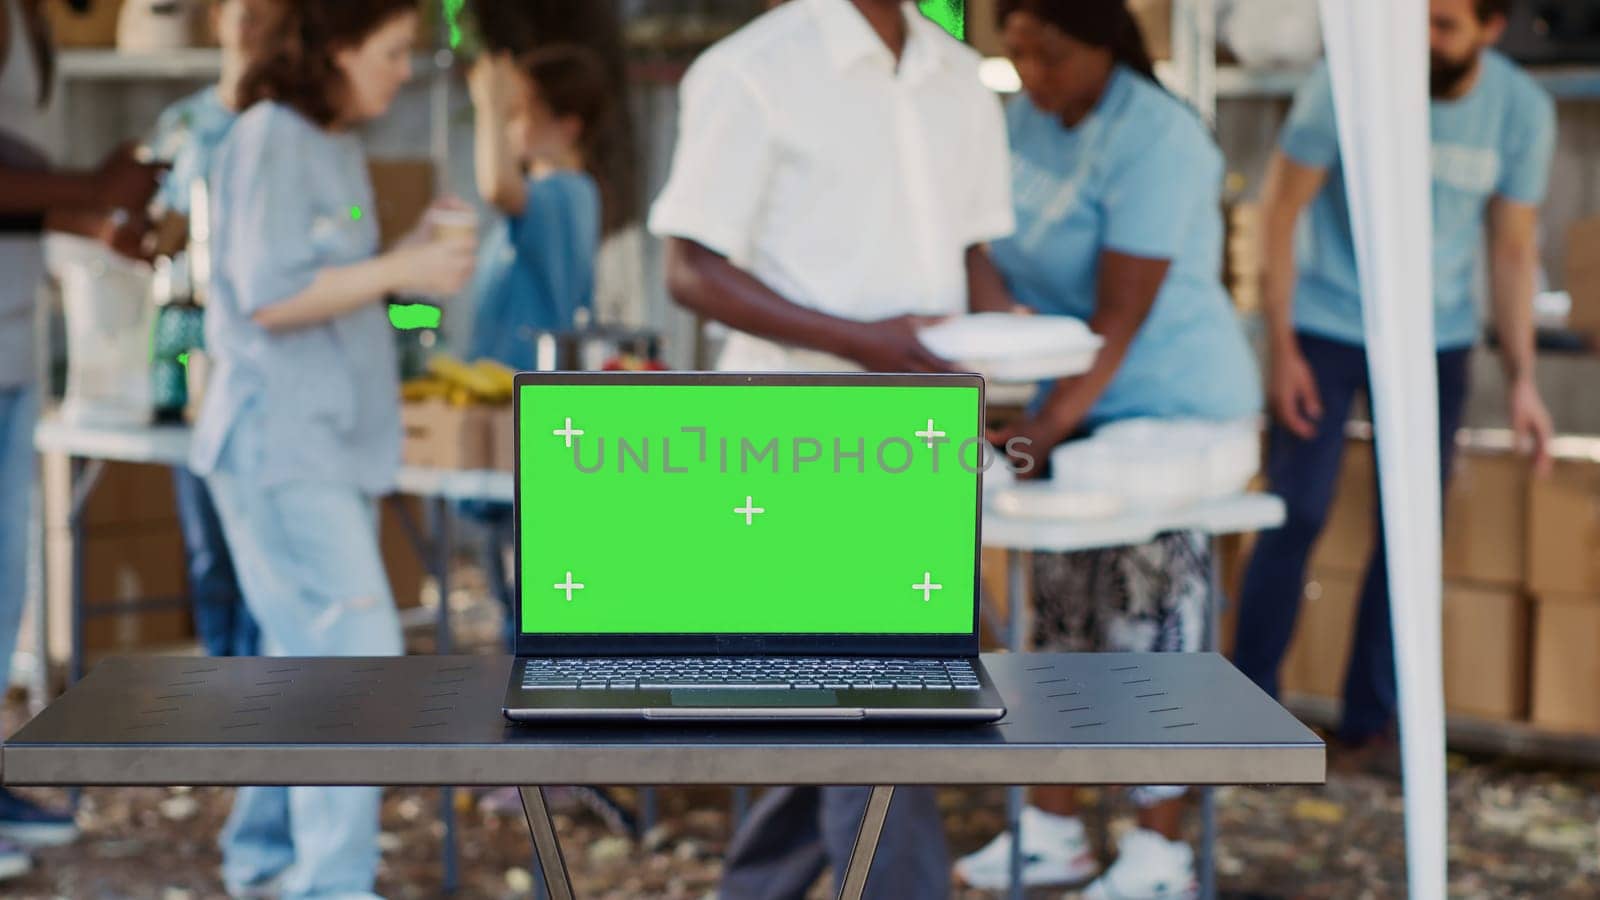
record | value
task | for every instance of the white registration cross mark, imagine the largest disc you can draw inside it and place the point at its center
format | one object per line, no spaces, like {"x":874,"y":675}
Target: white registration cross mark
{"x":750,"y":510}
{"x":927,"y":587}
{"x":569,"y":586}
{"x":568,"y":432}
{"x":930,"y":434}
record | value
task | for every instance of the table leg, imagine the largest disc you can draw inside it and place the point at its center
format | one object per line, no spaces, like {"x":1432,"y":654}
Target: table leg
{"x":741,"y":805}
{"x":447,"y":812}
{"x":39,"y":682}
{"x":443,"y":639}
{"x":443,"y":644}
{"x":85,"y":478}
{"x":546,"y":844}
{"x":1017,"y":608}
{"x":854,"y":881}
{"x":1207,"y":875}
{"x":647,"y":810}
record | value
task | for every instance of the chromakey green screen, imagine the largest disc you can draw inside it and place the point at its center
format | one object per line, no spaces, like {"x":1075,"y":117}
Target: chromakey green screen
{"x":748,"y":509}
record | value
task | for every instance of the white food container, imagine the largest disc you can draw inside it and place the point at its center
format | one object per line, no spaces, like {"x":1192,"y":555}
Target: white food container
{"x":1013,"y":348}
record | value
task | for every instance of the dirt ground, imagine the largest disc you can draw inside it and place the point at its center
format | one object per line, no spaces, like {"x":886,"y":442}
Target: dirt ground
{"x":1515,"y":831}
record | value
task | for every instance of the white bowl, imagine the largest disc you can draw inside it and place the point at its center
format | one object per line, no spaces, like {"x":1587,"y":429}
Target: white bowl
{"x":1007,"y":347}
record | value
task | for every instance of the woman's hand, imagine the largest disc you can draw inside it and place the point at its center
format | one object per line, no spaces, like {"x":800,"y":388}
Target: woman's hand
{"x":491,"y":82}
{"x":434,"y":268}
{"x":1026,"y":445}
{"x":446,"y":208}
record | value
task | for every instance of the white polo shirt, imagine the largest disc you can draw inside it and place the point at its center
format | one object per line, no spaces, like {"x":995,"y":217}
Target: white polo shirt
{"x":842,"y":183}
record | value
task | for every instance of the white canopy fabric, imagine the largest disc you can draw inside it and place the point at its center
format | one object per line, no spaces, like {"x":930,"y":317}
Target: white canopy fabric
{"x":1378,"y":61}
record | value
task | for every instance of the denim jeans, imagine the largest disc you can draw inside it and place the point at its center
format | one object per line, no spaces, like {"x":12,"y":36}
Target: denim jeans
{"x":19,"y":411}
{"x":1304,"y":473}
{"x":794,"y":833}
{"x":221,"y":618}
{"x":308,"y":559}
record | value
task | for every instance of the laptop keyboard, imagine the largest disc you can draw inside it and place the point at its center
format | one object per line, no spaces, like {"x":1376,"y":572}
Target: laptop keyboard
{"x":766,"y":673}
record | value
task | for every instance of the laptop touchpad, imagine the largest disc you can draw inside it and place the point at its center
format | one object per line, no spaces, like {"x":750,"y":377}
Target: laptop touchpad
{"x":745,"y":698}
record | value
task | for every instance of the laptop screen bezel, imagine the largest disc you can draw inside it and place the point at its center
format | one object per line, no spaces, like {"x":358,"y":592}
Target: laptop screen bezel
{"x":728,"y":644}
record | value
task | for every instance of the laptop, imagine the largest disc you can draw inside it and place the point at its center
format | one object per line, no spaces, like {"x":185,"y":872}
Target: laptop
{"x":740,"y":547}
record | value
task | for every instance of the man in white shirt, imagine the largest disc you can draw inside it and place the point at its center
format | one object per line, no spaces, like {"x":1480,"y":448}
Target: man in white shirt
{"x":839,"y":171}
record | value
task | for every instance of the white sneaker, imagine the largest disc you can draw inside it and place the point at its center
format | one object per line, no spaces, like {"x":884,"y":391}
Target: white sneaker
{"x":1055,"y":851}
{"x":14,"y":861}
{"x":1148,"y":867}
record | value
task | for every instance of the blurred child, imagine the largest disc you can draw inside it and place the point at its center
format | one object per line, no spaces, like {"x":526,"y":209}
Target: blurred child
{"x":541,"y":124}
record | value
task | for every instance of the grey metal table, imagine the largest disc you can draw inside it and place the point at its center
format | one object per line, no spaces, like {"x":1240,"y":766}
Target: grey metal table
{"x":430,"y":720}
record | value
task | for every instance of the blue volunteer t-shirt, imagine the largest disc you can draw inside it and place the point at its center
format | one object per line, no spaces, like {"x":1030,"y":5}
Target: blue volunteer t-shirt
{"x":1495,"y":142}
{"x":536,"y":270}
{"x":1141,"y":176}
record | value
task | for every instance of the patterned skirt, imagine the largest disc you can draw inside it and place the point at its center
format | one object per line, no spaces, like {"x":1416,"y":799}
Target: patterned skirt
{"x":1149,"y":598}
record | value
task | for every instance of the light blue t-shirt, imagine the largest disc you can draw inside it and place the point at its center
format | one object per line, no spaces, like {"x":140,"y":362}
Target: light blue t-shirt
{"x":1495,"y":142}
{"x":1141,"y":176}
{"x":289,"y":200}
{"x":187,"y":135}
{"x":536,"y":270}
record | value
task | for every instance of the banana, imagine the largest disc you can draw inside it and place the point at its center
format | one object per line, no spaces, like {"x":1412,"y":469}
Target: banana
{"x":421,"y":390}
{"x":503,"y":376}
{"x":463,"y":376}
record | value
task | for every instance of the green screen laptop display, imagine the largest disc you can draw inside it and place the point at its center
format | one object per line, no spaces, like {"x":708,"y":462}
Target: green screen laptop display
{"x":748,"y":509}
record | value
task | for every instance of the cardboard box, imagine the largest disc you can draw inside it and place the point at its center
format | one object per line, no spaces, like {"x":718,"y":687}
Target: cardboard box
{"x":403,"y":189}
{"x":440,"y":436}
{"x":1564,"y":530}
{"x":143,"y":565}
{"x":1583,"y":275}
{"x":1347,"y":537}
{"x":94,"y":28}
{"x":1486,"y":519}
{"x":162,"y":630}
{"x":503,"y":440}
{"x":1486,"y":641}
{"x":127,"y":496}
{"x":1320,"y":651}
{"x":1485,"y":525}
{"x":1566,"y":666}
{"x":401,"y":560}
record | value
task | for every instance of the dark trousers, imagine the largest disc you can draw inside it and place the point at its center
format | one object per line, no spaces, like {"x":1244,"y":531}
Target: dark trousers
{"x":221,"y":619}
{"x":1305,"y":473}
{"x":794,"y":833}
